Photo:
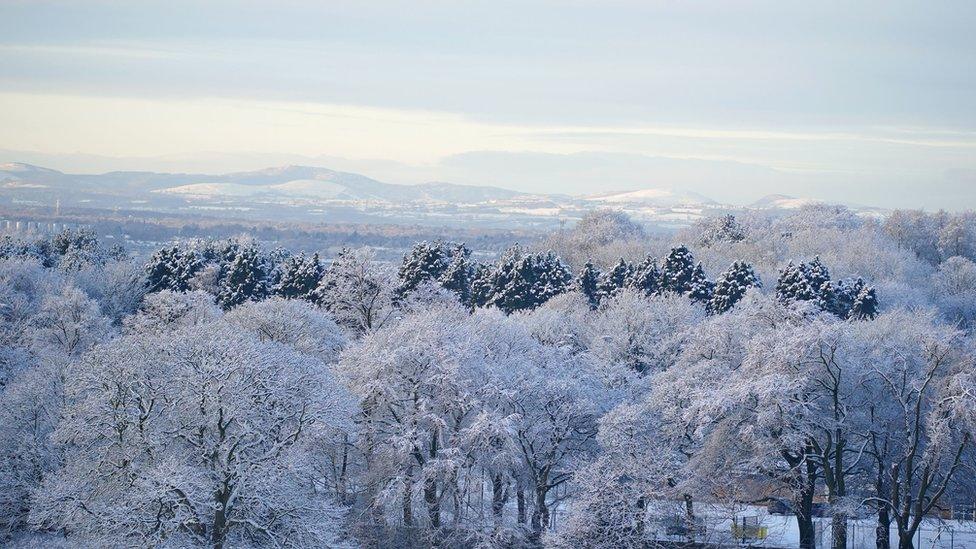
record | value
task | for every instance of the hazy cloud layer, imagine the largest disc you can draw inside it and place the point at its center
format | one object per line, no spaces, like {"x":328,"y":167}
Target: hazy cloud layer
{"x":873,"y":99}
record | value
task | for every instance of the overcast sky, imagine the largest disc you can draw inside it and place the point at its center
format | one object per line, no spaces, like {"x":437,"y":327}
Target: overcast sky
{"x":870,"y":102}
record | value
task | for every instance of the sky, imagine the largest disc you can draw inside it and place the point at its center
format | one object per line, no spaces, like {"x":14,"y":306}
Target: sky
{"x":869,"y":102}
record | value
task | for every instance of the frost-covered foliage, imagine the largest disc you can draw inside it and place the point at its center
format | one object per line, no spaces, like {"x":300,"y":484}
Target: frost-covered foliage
{"x":197,"y":437}
{"x":227,"y":394}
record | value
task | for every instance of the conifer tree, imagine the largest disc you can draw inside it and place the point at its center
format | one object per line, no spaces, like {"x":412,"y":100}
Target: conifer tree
{"x":457,"y":277}
{"x":677,"y":272}
{"x":793,"y":284}
{"x":614,"y":280}
{"x":701,"y":288}
{"x":482,"y":280}
{"x":646,"y":278}
{"x":244,"y":279}
{"x":865,"y":306}
{"x":171,"y":269}
{"x":732,"y":286}
{"x":521,"y":281}
{"x":588,"y":283}
{"x":426,"y":262}
{"x":299,"y":276}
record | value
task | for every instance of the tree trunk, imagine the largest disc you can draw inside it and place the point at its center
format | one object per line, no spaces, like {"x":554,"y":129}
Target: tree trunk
{"x":882,"y":533}
{"x":803,"y":509}
{"x":219,"y":533}
{"x":838,"y":530}
{"x":430,"y":489}
{"x":905,"y":540}
{"x":499,"y":495}
{"x":433,"y":503}
{"x":407,"y":505}
{"x":690,"y":517}
{"x":540,"y":515}
{"x":520,"y":501}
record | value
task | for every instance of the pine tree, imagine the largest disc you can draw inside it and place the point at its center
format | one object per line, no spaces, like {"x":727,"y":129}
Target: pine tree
{"x":550,"y":277}
{"x":678,"y":271}
{"x":588,"y":283}
{"x":614,"y":280}
{"x":426,"y":262}
{"x":865,"y":306}
{"x":482,"y":284}
{"x":171,"y":269}
{"x":244,"y":279}
{"x":700,"y":288}
{"x":646,"y":277}
{"x":520,"y":281}
{"x":458,"y":275}
{"x":794,"y":284}
{"x":299,"y":276}
{"x":732,"y":286}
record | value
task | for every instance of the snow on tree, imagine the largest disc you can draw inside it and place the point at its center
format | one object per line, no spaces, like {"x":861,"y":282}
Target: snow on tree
{"x":245,"y":278}
{"x":425,"y":262}
{"x":68,"y":324}
{"x":865,"y":305}
{"x":920,"y":407}
{"x":633,"y":333}
{"x":588,"y":283}
{"x":722,"y":229}
{"x":298,"y":277}
{"x":557,"y":398}
{"x":358,"y":292}
{"x":564,"y":322}
{"x":520,"y":280}
{"x":200,"y":437}
{"x":409,"y":379}
{"x":171,"y":269}
{"x":954,"y":291}
{"x":602,"y":235}
{"x":482,"y":284}
{"x":615,"y":279}
{"x":300,"y":325}
{"x":678,"y":271}
{"x":118,"y":286}
{"x":646,"y":277}
{"x":457,"y":277}
{"x":701,"y":288}
{"x":794,"y":284}
{"x":732,"y":286}
{"x":166,"y":311}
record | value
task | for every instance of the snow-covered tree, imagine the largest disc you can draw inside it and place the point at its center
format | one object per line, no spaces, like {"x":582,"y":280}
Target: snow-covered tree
{"x":458,"y":274}
{"x":298,"y":277}
{"x":358,"y":292}
{"x":646,"y":277}
{"x":615,"y":279}
{"x":732,"y":286}
{"x":701,"y":288}
{"x":409,"y":377}
{"x":426,"y":262}
{"x":678,"y":271}
{"x":721,"y":229}
{"x":520,"y":280}
{"x":638,"y":334}
{"x":794,"y":284}
{"x":200,"y":437}
{"x":167,"y":311}
{"x":300,"y":325}
{"x":244,"y":278}
{"x":588,"y":283}
{"x":172,"y":269}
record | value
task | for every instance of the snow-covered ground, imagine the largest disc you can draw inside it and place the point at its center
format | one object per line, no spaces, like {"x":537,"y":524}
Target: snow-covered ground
{"x":782,"y":531}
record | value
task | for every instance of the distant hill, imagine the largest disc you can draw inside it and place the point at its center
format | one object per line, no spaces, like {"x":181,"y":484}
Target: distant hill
{"x":320,"y":195}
